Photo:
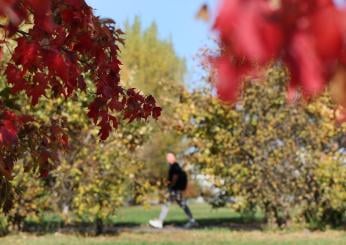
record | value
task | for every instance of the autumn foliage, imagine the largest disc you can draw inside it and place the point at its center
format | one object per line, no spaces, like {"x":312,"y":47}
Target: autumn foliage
{"x":59,"y":45}
{"x":309,"y":37}
{"x":286,"y":160}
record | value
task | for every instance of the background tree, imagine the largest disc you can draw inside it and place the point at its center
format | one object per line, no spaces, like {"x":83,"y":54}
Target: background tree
{"x":52,"y":48}
{"x":30,"y":201}
{"x":267,"y":153}
{"x":94,"y":178}
{"x":152,"y":65}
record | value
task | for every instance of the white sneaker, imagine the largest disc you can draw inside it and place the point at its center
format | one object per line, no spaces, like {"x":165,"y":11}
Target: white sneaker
{"x":156,"y":223}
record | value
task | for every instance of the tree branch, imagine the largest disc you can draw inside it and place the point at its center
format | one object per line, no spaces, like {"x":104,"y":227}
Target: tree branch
{"x":18,"y":31}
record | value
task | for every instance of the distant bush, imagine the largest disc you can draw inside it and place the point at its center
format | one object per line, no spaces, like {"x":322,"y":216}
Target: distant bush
{"x":46,"y":222}
{"x":329,"y":204}
{"x":270,"y":155}
{"x":3,"y":226}
{"x":192,"y":190}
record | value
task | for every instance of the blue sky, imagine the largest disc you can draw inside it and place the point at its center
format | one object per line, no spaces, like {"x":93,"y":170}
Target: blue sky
{"x":175,"y":20}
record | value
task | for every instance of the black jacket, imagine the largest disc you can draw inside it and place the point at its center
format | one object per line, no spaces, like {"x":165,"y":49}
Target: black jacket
{"x":177,"y":178}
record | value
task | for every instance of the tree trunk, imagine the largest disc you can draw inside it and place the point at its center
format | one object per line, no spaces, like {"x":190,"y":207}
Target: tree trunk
{"x":99,"y":226}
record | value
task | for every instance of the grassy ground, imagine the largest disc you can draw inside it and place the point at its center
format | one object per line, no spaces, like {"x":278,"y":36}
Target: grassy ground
{"x":206,"y":216}
{"x":195,"y":237}
{"x":217,"y":227}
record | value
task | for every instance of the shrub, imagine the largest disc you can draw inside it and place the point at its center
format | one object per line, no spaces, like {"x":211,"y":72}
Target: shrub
{"x":3,"y":226}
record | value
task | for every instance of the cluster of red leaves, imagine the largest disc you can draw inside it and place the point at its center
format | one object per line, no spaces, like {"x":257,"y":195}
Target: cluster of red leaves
{"x":10,"y":124}
{"x":59,"y":45}
{"x":20,"y":133}
{"x":308,"y":36}
{"x":65,"y":43}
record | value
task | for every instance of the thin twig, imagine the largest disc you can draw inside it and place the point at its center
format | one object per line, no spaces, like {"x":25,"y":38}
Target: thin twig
{"x":18,"y":31}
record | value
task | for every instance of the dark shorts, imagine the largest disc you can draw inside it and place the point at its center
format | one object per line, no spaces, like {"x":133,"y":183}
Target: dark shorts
{"x":176,"y":196}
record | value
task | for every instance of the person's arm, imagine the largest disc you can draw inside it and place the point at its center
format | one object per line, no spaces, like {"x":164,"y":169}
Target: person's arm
{"x":173,"y":176}
{"x":173,"y":181}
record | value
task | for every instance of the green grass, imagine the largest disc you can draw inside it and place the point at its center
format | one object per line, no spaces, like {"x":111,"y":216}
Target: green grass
{"x":196,"y":237}
{"x":205,"y":215}
{"x":221,"y":226}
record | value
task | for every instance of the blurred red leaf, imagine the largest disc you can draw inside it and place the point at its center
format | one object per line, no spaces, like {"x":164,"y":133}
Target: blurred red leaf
{"x":309,"y":37}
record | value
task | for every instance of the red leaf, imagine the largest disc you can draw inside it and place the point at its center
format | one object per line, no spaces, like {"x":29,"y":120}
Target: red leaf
{"x":15,"y":77}
{"x":8,"y":127}
{"x":6,"y":9}
{"x":228,"y":80}
{"x":8,"y":132}
{"x":326,"y":26}
{"x":105,"y":129}
{"x":44,"y":173}
{"x":25,"y":53}
{"x":64,"y":140}
{"x":157,"y":112}
{"x":117,"y":105}
{"x":150,"y":100}
{"x":42,"y":14}
{"x":309,"y":65}
{"x":114,"y":121}
{"x":40,"y":7}
{"x":39,"y":88}
{"x":57,"y":65}
{"x":245,"y":26}
{"x":96,"y":109}
{"x":76,"y":3}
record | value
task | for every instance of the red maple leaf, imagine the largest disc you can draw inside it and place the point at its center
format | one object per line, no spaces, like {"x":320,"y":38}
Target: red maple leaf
{"x":309,"y":37}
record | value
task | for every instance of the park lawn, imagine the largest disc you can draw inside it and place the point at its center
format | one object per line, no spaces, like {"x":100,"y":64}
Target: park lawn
{"x":193,"y":237}
{"x":204,"y":213}
{"x":222,"y":226}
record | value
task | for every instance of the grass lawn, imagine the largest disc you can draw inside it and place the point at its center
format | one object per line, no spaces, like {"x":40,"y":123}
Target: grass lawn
{"x":206,"y":216}
{"x":195,"y":237}
{"x":217,"y":227}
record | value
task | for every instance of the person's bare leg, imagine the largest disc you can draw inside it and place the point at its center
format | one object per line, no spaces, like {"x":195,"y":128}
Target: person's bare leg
{"x":164,"y":211}
{"x":158,"y":223}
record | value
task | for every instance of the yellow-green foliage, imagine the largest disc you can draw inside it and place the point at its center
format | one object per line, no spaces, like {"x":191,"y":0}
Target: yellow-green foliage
{"x":265,"y":152}
{"x":30,"y":200}
{"x":92,"y":178}
{"x":152,"y":65}
{"x":3,"y":225}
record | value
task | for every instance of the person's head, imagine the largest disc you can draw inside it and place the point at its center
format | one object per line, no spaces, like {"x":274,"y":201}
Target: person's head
{"x":170,"y":158}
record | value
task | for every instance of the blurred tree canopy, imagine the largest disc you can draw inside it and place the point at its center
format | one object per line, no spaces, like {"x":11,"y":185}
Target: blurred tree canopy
{"x":152,"y":65}
{"x":267,"y":153}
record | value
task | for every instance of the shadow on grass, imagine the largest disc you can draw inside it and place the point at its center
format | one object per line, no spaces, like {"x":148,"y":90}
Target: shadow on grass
{"x":232,"y":223}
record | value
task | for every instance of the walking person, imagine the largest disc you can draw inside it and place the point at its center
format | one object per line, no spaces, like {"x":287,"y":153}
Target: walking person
{"x":177,"y":183}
